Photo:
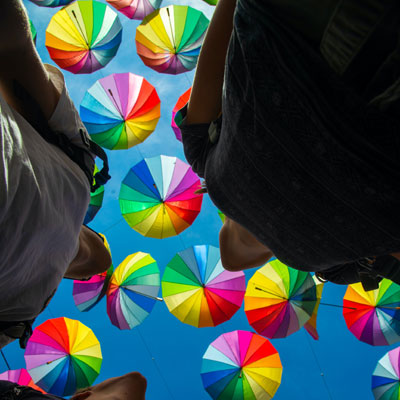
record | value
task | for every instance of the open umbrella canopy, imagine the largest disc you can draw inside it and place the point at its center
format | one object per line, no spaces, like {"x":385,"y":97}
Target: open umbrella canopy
{"x":386,"y":376}
{"x":279,"y":300}
{"x":51,"y":3}
{"x":87,"y":294}
{"x":120,"y":110}
{"x":133,"y":290}
{"x":157,"y":197}
{"x":169,"y":39}
{"x":373,"y":317}
{"x":21,"y":377}
{"x":311,"y":325}
{"x":198,"y":290}
{"x":84,"y":36}
{"x":63,"y":355}
{"x":135,"y":9}
{"x":96,"y":200}
{"x":182,"y":101}
{"x":241,"y":365}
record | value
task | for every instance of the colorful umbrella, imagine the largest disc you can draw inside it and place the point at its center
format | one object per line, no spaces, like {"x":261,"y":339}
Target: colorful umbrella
{"x":133,"y":290}
{"x":120,"y":110}
{"x":87,"y":294}
{"x":63,"y":355}
{"x":182,"y":101}
{"x":221,"y":215}
{"x":169,"y":39}
{"x":198,"y":290}
{"x":279,"y":300}
{"x":386,"y":376}
{"x":51,"y":3}
{"x":211,"y":2}
{"x":84,"y":36}
{"x":96,"y":200}
{"x":373,"y":317}
{"x":135,"y":9}
{"x":311,"y":325}
{"x":21,"y":377}
{"x":157,"y":197}
{"x":241,"y":365}
{"x":33,"y":31}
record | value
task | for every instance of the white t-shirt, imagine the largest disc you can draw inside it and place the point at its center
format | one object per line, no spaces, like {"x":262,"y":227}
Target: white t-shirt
{"x":43,"y":199}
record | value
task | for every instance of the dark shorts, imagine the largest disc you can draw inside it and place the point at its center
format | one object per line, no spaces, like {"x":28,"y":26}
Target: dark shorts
{"x":302,"y":161}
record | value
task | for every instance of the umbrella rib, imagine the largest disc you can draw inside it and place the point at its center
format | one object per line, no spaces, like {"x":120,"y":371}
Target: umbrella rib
{"x":284,"y":298}
{"x":80,"y":29}
{"x":147,"y":295}
{"x":115,"y":103}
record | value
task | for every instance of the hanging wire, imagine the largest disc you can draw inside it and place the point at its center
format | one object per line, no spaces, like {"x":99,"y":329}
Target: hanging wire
{"x":319,"y":367}
{"x":190,"y":83}
{"x":155,"y":364}
{"x":5,"y":360}
{"x":284,"y":298}
{"x":113,"y":225}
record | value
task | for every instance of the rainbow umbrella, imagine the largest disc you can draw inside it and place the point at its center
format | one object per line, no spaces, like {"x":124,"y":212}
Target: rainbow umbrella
{"x":84,"y":36}
{"x":241,"y":365}
{"x":279,"y":300}
{"x":33,"y":31}
{"x":96,"y":200}
{"x":221,"y":215}
{"x":21,"y":377}
{"x":133,"y":290}
{"x":87,"y":294}
{"x":135,"y":9}
{"x":198,"y":290}
{"x":182,"y":101}
{"x":120,"y":110}
{"x":311,"y":325}
{"x":157,"y":197}
{"x":386,"y":376}
{"x":169,"y":39}
{"x":373,"y":317}
{"x":63,"y":355}
{"x":51,"y":3}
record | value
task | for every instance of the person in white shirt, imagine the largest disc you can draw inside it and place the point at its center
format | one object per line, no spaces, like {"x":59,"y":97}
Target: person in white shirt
{"x":43,"y":193}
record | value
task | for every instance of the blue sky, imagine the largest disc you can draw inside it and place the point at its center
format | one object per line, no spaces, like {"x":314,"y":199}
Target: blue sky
{"x":167,"y":352}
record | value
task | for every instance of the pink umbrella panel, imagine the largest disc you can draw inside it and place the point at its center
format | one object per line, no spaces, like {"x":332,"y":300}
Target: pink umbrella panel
{"x":135,"y":9}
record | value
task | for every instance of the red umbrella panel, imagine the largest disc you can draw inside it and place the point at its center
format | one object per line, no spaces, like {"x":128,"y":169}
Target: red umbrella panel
{"x":182,"y":101}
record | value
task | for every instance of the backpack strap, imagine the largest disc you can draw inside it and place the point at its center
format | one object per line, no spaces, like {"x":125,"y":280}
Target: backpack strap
{"x":74,"y":152}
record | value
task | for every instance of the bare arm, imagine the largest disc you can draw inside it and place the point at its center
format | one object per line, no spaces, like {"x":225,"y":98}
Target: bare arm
{"x":19,"y":61}
{"x":205,"y":100}
{"x":240,"y":249}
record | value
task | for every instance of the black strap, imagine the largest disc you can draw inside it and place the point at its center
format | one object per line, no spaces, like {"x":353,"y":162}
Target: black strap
{"x":74,"y":152}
